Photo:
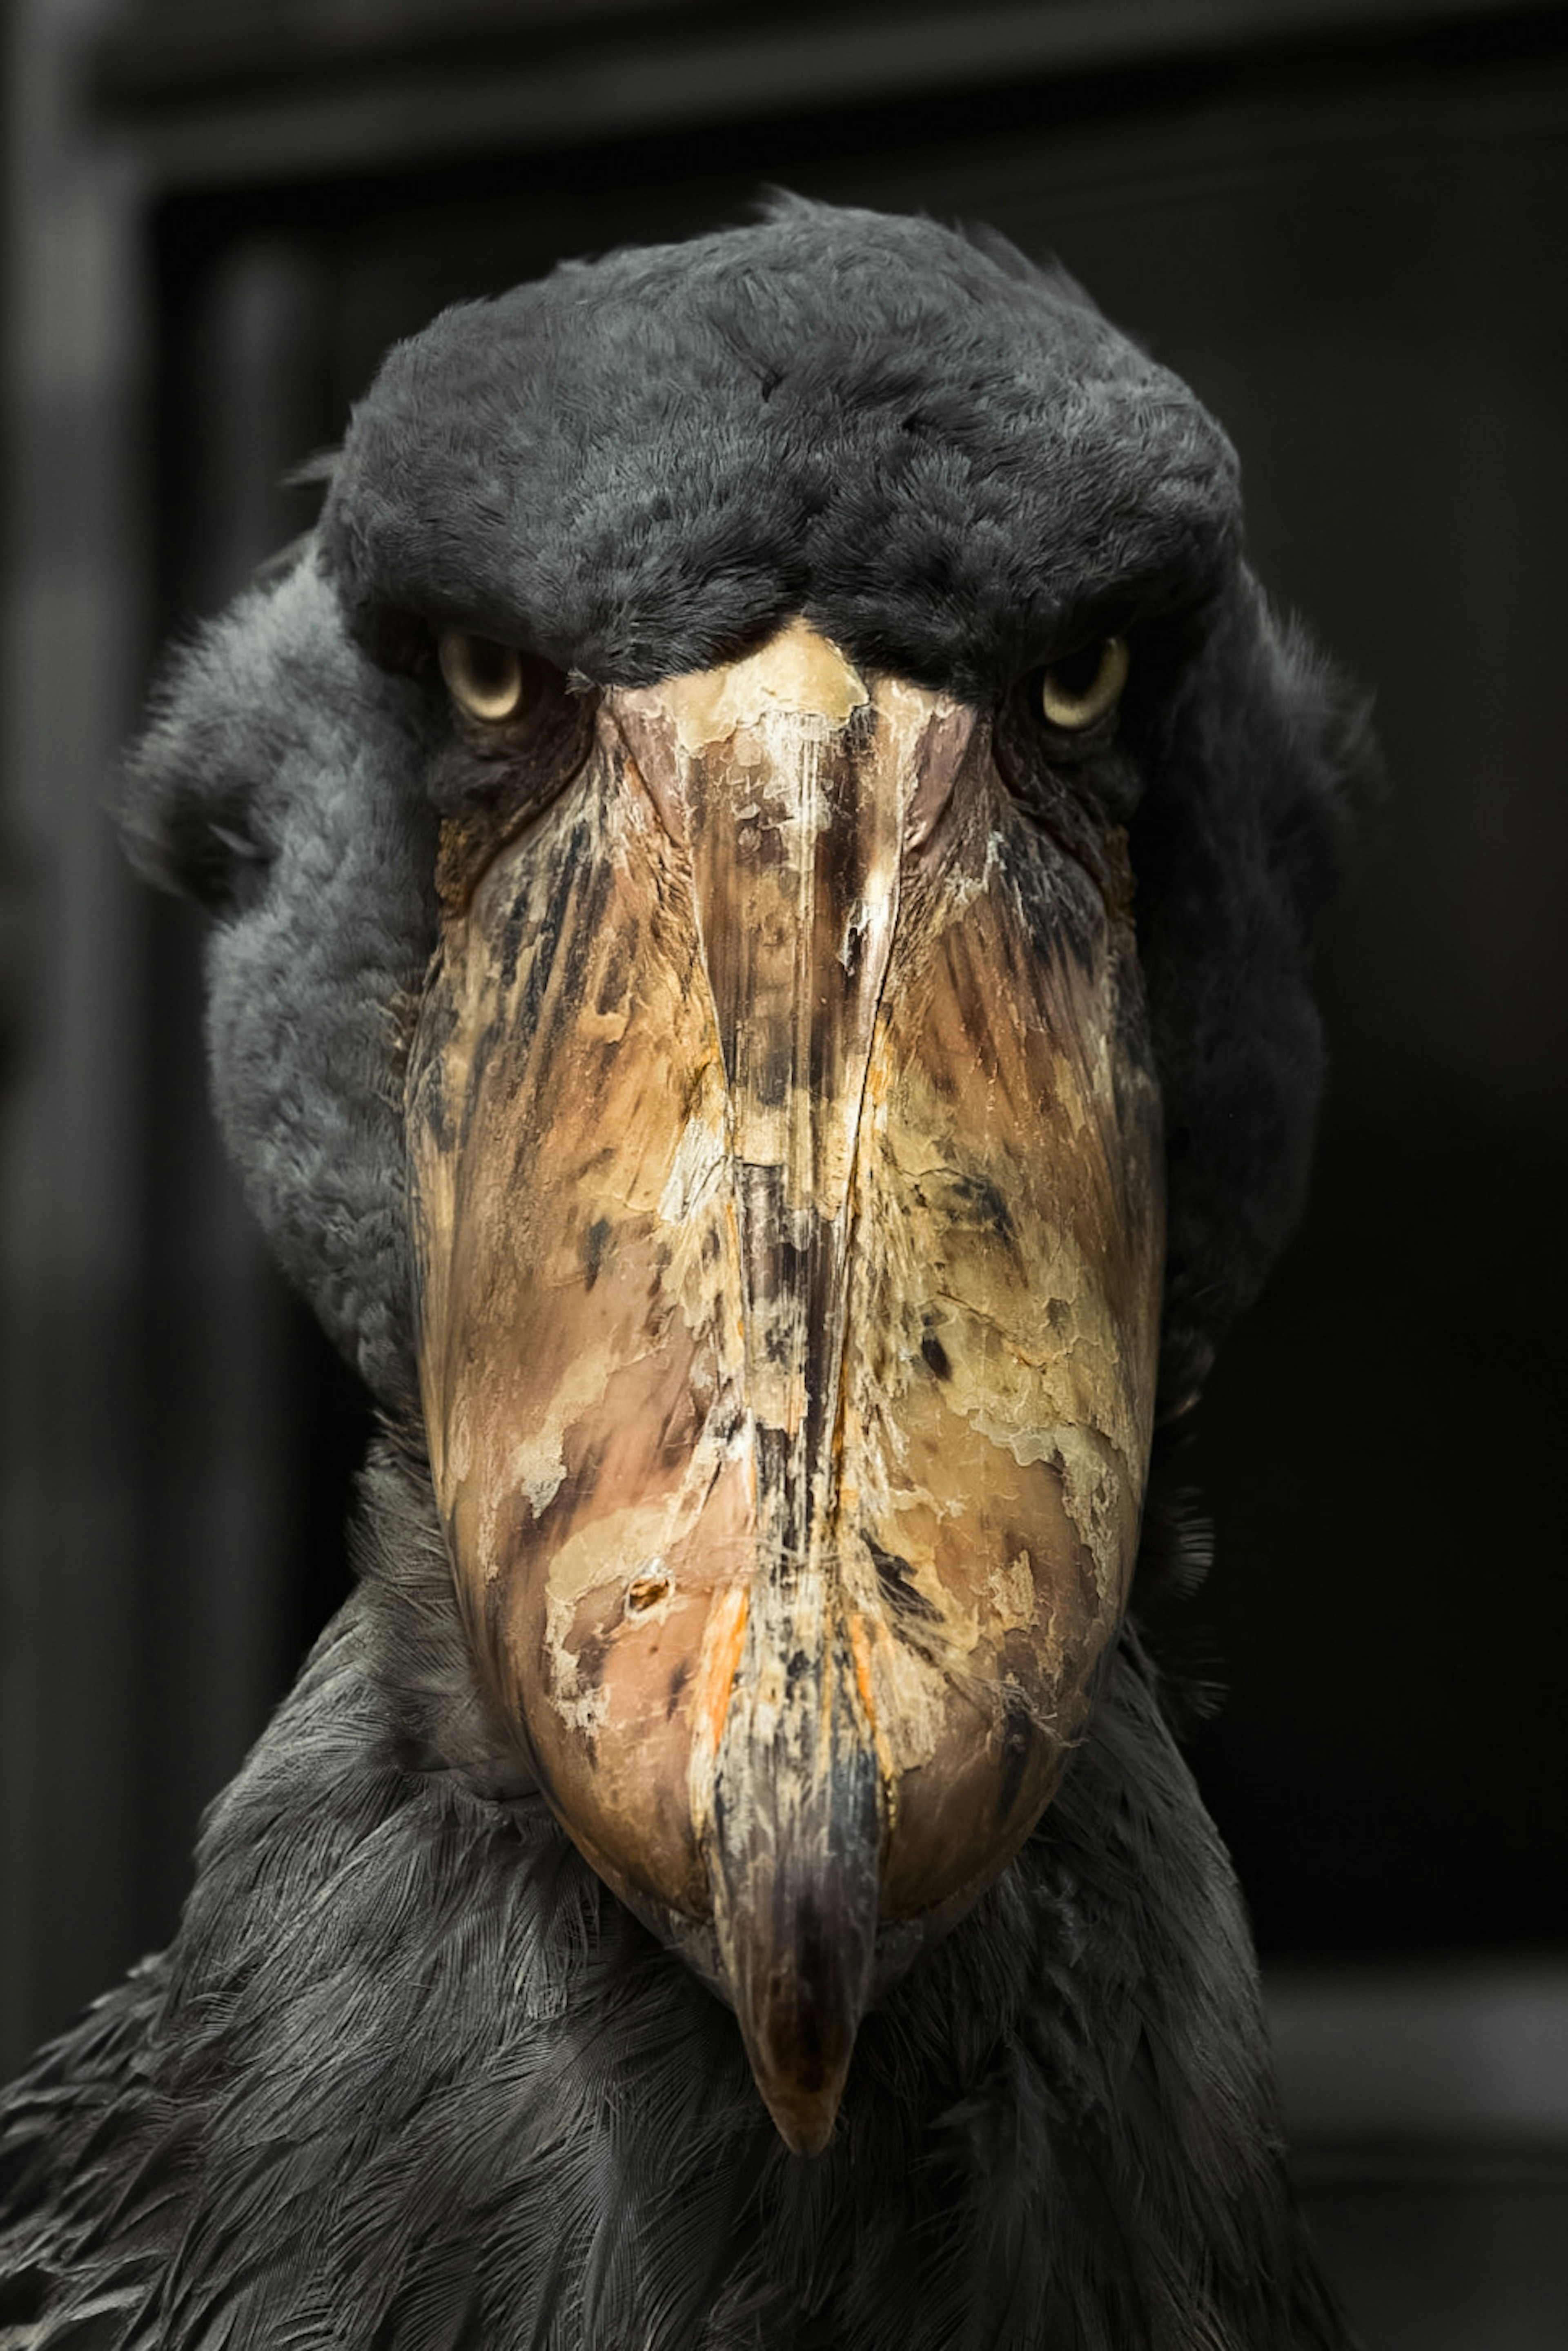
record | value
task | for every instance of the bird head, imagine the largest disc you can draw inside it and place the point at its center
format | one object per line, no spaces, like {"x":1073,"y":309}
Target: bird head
{"x":762,"y":857}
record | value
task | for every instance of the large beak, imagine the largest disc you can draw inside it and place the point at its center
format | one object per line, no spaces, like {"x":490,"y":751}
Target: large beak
{"x":785,"y":1173}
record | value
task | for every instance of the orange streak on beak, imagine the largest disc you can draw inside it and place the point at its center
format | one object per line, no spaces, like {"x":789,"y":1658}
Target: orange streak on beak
{"x":860,"y":1649}
{"x":723,"y":1641}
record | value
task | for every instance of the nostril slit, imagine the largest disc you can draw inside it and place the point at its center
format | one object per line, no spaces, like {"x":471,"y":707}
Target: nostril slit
{"x":650,"y":757}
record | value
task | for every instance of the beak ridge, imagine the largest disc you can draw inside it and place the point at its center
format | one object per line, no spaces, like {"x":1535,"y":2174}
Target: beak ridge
{"x":794,"y":1851}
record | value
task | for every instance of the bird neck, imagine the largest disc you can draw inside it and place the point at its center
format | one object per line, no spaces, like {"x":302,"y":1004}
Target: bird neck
{"x":399,"y":1991}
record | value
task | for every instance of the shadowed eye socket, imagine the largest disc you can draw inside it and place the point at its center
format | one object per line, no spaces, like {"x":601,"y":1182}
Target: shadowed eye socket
{"x":483,"y":678}
{"x":1084,"y":686}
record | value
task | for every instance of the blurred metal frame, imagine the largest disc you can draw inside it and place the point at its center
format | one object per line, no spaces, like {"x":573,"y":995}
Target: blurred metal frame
{"x":221,"y":93}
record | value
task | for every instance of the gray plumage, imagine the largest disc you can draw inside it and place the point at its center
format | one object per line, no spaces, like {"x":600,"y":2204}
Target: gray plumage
{"x":409,"y":2077}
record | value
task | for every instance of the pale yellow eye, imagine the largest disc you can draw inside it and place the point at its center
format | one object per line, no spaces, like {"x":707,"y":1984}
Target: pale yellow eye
{"x":484,"y":677}
{"x":1082,"y":685}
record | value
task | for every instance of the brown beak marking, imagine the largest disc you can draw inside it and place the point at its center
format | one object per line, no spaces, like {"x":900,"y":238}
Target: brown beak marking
{"x":785,"y":1158}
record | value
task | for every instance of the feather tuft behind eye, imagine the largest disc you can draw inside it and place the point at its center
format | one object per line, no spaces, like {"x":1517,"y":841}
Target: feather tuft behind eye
{"x":1084,"y":686}
{"x":482,"y":677}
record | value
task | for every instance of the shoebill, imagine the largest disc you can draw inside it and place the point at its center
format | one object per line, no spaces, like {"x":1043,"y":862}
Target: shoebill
{"x":759,"y":861}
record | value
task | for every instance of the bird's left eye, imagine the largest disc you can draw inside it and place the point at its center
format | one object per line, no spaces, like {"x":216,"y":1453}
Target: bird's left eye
{"x":483,"y":678}
{"x":1084,"y":685}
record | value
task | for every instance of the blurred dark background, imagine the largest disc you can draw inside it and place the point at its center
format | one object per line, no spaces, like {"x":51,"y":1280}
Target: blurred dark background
{"x":1344,"y":222}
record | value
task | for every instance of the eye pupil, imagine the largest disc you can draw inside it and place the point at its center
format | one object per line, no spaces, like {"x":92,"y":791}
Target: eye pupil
{"x":1077,"y":674}
{"x":482,"y":676}
{"x":1084,"y":685}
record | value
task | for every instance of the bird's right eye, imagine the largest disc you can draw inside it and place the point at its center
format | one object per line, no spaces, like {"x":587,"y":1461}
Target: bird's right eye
{"x":483,"y":678}
{"x":1081,"y":688}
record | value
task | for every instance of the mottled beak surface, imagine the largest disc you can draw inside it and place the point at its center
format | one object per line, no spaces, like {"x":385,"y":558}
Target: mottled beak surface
{"x":785,"y":1159}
